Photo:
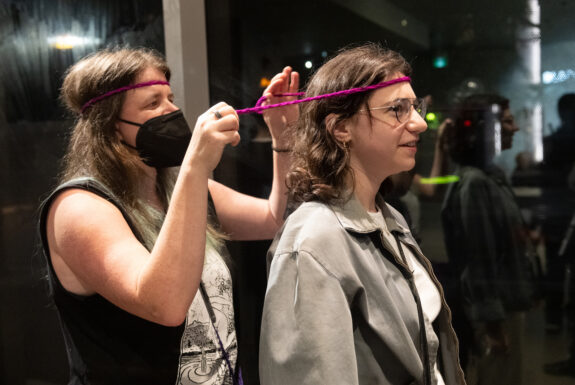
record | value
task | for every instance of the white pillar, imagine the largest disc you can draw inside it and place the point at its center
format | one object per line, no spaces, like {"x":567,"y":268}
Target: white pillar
{"x":186,"y":52}
{"x":529,"y":49}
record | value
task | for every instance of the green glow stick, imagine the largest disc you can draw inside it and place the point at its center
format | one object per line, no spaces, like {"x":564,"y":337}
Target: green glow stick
{"x":440,"y":179}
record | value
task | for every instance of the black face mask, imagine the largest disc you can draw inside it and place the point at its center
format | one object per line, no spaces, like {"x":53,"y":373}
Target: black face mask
{"x":162,"y":141}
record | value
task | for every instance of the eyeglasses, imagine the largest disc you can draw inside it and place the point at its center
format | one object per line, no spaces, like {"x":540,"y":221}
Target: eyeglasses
{"x":402,"y":108}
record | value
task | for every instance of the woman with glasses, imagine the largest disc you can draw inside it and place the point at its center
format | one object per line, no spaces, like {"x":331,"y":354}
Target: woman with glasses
{"x":351,"y":299}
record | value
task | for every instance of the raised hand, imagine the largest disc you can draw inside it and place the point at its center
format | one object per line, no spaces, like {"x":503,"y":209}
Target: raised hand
{"x":277,"y":119}
{"x":215,"y":128}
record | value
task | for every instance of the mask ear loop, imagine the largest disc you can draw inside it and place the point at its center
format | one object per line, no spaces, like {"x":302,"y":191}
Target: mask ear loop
{"x":122,"y":140}
{"x":128,"y":145}
{"x":129,"y":122}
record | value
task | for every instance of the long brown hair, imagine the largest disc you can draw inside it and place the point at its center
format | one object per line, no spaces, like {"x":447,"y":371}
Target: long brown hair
{"x":95,"y":150}
{"x":321,"y":164}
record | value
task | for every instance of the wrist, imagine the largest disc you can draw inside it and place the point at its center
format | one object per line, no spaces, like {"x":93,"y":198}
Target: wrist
{"x":280,"y":149}
{"x":194,"y":170}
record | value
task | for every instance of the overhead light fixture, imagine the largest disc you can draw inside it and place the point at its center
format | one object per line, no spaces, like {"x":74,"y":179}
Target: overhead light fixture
{"x":68,"y":41}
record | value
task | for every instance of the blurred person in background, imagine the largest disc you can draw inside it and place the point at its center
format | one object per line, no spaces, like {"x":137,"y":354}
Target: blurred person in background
{"x":558,"y":203}
{"x":487,"y":243}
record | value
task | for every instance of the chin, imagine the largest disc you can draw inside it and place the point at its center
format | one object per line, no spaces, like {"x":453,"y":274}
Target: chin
{"x":506,"y":141}
{"x":506,"y":144}
{"x":409,"y":165}
{"x":404,"y":167}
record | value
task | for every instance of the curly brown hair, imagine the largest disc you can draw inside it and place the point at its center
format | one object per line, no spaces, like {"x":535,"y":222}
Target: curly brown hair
{"x":321,"y":164}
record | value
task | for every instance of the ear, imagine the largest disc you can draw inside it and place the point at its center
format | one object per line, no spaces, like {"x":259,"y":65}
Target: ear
{"x":338,"y":129}
{"x":118,"y":131}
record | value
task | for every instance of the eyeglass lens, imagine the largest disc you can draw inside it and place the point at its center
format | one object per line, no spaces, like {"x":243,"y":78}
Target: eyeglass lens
{"x":403,"y":108}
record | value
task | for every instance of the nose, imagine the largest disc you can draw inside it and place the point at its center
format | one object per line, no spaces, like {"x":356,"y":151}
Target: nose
{"x":170,"y":107}
{"x":416,"y":123}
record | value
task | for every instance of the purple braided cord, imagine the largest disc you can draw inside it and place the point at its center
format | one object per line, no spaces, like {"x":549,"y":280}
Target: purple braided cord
{"x":259,"y":108}
{"x":121,"y":89}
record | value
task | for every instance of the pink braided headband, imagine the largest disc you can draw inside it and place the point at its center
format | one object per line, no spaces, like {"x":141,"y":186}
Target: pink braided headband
{"x":258,"y":108}
{"x":118,"y":90}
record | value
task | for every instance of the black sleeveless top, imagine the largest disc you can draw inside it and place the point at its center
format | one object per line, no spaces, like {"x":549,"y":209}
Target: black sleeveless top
{"x":105,"y":344}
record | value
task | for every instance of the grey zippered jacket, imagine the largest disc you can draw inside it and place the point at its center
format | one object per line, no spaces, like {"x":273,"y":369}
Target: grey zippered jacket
{"x":341,"y":307}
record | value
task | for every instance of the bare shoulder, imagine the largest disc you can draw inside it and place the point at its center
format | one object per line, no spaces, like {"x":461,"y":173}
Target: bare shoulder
{"x":84,"y":233}
{"x":77,"y":212}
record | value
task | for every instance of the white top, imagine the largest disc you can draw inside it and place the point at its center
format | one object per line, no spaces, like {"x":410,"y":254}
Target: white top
{"x":428,"y":292}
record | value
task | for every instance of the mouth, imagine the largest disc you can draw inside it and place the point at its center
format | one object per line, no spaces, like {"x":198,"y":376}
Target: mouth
{"x":409,"y":144}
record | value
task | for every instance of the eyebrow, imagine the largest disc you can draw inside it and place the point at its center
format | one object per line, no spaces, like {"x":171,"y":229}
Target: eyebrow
{"x":391,"y":102}
{"x":156,"y":94}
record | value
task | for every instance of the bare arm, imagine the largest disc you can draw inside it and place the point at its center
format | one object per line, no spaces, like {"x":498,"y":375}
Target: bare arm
{"x":94,"y":251}
{"x":245,"y":217}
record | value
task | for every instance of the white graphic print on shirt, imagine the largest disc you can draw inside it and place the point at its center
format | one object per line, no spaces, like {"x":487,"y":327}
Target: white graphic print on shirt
{"x":201,"y":358}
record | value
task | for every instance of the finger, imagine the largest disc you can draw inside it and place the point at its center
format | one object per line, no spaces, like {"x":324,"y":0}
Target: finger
{"x":287,"y":76}
{"x":277,"y":76}
{"x":294,"y":82}
{"x":284,"y":77}
{"x":218,"y":106}
{"x":228,"y":137}
{"x":277,"y":85}
{"x":211,"y":112}
{"x":222,"y":110}
{"x":229,"y":122}
{"x":235,"y":139}
{"x":227,"y":110}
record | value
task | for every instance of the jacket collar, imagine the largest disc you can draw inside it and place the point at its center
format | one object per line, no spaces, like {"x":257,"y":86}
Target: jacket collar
{"x":354,"y":217}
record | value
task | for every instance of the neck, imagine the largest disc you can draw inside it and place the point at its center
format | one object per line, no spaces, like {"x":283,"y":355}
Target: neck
{"x":366,"y":190}
{"x":148,"y":187}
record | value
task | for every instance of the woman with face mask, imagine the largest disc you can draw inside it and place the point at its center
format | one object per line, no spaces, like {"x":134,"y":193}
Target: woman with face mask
{"x":350,"y":298}
{"x":134,"y":244}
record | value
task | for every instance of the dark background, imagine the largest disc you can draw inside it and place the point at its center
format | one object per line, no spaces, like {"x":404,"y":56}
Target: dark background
{"x":247,"y":40}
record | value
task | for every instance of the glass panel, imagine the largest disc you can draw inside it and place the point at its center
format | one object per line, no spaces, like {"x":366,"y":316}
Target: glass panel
{"x":521,"y":50}
{"x":38,"y":40}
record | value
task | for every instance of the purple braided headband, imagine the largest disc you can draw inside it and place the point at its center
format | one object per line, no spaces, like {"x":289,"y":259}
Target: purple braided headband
{"x":258,"y":107}
{"x":118,"y":90}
